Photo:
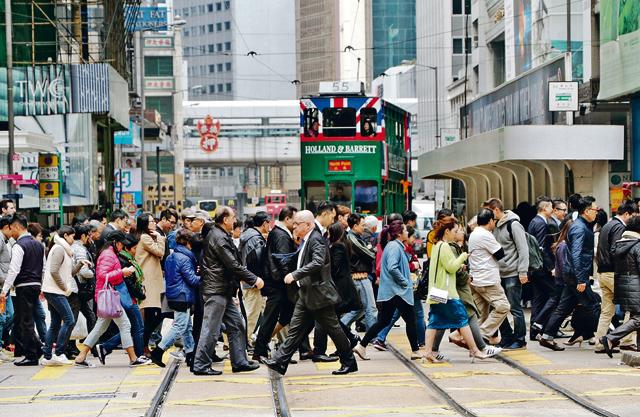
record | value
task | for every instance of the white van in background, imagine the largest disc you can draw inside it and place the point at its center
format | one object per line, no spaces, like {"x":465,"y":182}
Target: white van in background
{"x":426,"y":211}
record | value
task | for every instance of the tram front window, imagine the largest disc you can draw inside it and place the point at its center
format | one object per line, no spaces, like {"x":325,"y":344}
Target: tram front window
{"x":339,"y":121}
{"x":314,"y":194}
{"x":366,"y":197}
{"x":340,"y":192}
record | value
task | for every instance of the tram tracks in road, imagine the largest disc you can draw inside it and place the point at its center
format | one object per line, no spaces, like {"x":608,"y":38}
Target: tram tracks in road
{"x":430,"y":383}
{"x":577,"y":399}
{"x":158,"y":400}
{"x":462,"y":410}
{"x":280,"y":404}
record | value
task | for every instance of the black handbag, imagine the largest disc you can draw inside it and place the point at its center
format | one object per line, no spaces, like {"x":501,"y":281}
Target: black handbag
{"x":422,"y":289}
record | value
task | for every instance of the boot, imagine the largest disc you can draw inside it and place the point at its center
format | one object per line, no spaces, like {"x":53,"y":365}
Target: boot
{"x":189,"y":359}
{"x":156,"y":356}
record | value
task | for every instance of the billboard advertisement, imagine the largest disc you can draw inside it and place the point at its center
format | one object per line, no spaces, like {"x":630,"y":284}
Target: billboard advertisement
{"x":522,"y":101}
{"x":619,"y":48}
{"x":518,"y":26}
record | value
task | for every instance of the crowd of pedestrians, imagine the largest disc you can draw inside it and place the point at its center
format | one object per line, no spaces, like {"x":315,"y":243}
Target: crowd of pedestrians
{"x":263,"y":287}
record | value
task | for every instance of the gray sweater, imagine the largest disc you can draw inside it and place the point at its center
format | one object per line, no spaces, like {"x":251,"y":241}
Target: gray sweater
{"x":516,"y":250}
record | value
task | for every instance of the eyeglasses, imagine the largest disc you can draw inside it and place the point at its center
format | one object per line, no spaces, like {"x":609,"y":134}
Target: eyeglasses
{"x":594,"y":208}
{"x":560,"y":209}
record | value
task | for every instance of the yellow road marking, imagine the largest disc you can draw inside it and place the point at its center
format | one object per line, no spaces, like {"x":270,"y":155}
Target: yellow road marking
{"x":94,"y":412}
{"x":515,"y":400}
{"x":327,"y":366}
{"x":594,"y":371}
{"x":348,"y":376}
{"x":526,"y":358}
{"x":511,"y":390}
{"x":146,"y":370}
{"x":613,"y":392}
{"x":427,"y":364}
{"x":227,"y":379}
{"x":50,"y":372}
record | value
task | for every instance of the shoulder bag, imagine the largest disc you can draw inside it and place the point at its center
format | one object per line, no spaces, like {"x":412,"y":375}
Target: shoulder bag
{"x":436,"y":295}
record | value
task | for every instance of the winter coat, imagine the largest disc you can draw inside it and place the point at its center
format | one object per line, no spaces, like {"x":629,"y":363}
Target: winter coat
{"x":222,"y":270}
{"x":539,"y":228}
{"x":610,"y":233}
{"x":341,"y":275}
{"x":579,"y":257}
{"x":180,"y":275}
{"x":252,"y":251}
{"x":59,"y":269}
{"x":395,"y":278}
{"x":108,"y":269}
{"x":626,"y":284}
{"x":362,"y":258}
{"x":516,"y":250}
{"x":148,"y":255}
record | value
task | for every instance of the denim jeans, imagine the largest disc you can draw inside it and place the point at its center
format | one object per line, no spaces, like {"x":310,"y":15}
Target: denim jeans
{"x":39,"y":318}
{"x":513,"y":290}
{"x":368,"y":300}
{"x":137,"y":332}
{"x":181,"y":327}
{"x":60,"y":314}
{"x":6,"y":319}
{"x":421,"y":327}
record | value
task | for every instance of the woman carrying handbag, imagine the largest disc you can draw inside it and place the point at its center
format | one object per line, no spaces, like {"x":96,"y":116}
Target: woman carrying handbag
{"x":110,"y":273}
{"x":446,"y":311}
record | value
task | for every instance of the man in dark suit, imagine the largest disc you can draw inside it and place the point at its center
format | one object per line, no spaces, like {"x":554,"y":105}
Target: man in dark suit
{"x":118,"y":223}
{"x":316,"y":298}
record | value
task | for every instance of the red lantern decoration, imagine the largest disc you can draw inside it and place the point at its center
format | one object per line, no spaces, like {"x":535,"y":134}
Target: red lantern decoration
{"x":209,"y":132}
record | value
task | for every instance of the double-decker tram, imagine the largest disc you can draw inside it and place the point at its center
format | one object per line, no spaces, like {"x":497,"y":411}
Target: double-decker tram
{"x":355,"y":150}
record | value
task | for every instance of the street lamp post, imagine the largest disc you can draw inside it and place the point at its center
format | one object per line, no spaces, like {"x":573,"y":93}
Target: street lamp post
{"x":435,"y":72}
{"x":9,"y":48}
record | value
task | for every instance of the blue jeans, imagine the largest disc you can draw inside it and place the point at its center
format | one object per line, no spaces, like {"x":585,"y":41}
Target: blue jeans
{"x":513,"y":291}
{"x":39,"y":318}
{"x":421,"y":327}
{"x":181,"y":327}
{"x":6,"y":319}
{"x":60,"y":314}
{"x":368,"y":300}
{"x":137,"y":332}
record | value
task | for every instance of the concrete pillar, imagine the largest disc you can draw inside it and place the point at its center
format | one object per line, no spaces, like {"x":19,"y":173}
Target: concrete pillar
{"x":492,"y":179}
{"x":601,"y":184}
{"x":472,"y":193}
{"x":521,"y":175}
{"x":538,"y":175}
{"x":582,"y":176}
{"x":556,"y":171}
{"x":507,"y":178}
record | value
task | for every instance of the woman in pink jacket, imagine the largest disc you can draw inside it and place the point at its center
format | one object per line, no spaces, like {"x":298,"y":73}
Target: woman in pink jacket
{"x":108,"y":269}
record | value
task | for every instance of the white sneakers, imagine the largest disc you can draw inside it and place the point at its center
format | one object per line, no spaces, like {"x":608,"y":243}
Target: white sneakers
{"x":490,"y":351}
{"x":56,"y":360}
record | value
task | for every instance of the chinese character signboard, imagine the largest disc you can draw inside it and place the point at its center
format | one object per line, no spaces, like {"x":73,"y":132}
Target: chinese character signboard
{"x":209,"y":131}
{"x":156,"y":42}
{"x":49,"y":173}
{"x":563,"y":96}
{"x":129,"y":182}
{"x":340,"y":165}
{"x":158,"y":83}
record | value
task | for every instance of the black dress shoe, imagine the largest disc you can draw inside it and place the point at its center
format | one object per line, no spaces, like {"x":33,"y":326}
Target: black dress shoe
{"x":259,"y":358}
{"x":250,"y":366}
{"x":347,"y":369}
{"x":26,"y":362}
{"x":306,"y":356}
{"x":217,"y":358}
{"x":208,"y":372}
{"x":276,"y":366}
{"x":324,"y":358}
{"x":550,"y":344}
{"x":292,"y":361}
{"x":606,"y":346}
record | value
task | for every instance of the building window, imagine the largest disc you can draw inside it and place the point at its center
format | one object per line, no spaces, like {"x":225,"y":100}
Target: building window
{"x":227,"y":5}
{"x":211,"y":48}
{"x":194,"y":10}
{"x":212,"y":88}
{"x":164,"y":106}
{"x":158,"y":66}
{"x":227,"y":25}
{"x":201,"y":8}
{"x":228,"y":87}
{"x":212,"y":69}
{"x":220,"y":67}
{"x":227,"y":46}
{"x":457,"y":6}
{"x":185,"y":12}
{"x":218,"y":6}
{"x":210,"y":27}
{"x":186,"y":33}
{"x":219,"y":46}
{"x":457,"y":45}
{"x":210,"y":7}
{"x":219,"y":26}
{"x":227,"y":66}
{"x":220,"y":88}
{"x":203,"y":29}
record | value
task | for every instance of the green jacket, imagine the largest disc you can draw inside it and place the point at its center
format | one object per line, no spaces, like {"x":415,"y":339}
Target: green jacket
{"x":446,"y":265}
{"x":462,"y":285}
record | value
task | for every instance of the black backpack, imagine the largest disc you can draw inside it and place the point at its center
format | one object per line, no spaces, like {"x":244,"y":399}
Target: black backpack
{"x":535,"y":253}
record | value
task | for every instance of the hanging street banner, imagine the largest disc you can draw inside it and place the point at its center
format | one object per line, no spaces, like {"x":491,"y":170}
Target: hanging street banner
{"x":153,"y":18}
{"x":43,"y":90}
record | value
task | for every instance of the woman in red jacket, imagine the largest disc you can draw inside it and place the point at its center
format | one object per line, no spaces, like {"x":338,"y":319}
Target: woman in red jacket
{"x":108,"y":269}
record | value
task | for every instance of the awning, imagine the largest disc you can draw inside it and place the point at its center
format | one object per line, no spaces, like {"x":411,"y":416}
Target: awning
{"x":518,"y":163}
{"x":25,"y":141}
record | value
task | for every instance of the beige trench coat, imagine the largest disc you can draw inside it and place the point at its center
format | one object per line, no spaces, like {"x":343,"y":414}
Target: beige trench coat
{"x":148,"y":255}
